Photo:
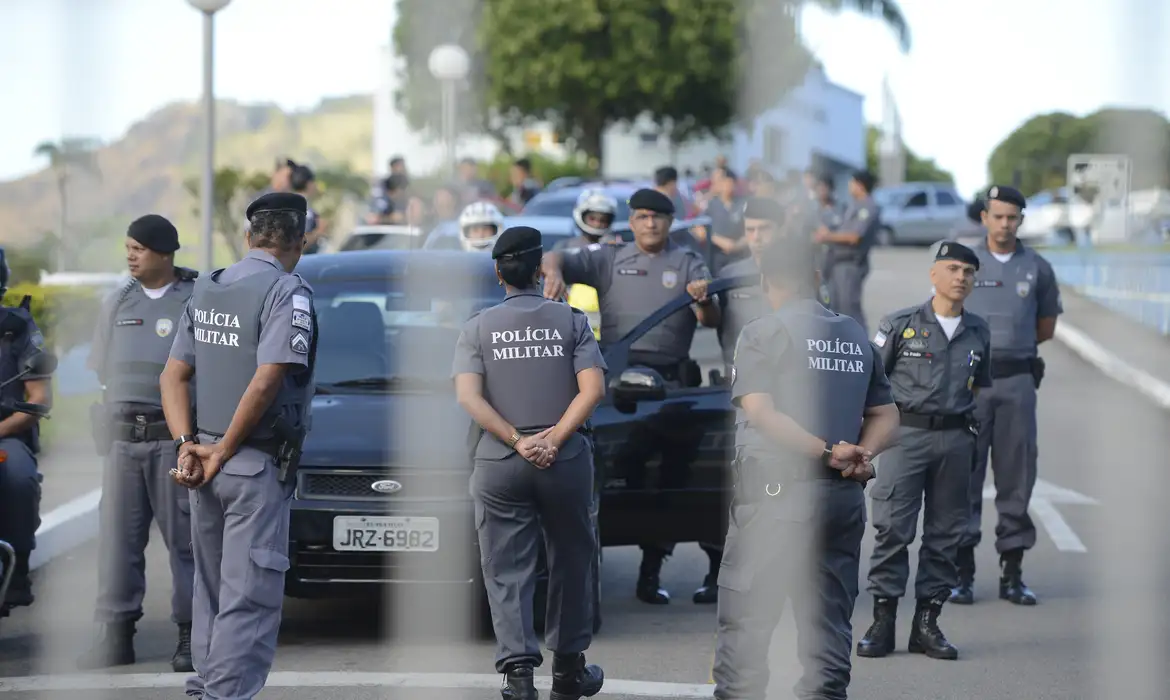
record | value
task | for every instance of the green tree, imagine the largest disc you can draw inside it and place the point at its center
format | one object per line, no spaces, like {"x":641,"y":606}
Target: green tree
{"x":584,"y":65}
{"x":66,"y":157}
{"x":918,"y":169}
{"x":233,"y":188}
{"x":1034,"y":157}
{"x":337,"y":185}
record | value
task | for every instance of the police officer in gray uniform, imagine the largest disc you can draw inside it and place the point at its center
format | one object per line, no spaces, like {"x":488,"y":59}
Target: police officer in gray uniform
{"x":530,"y":373}
{"x":1017,"y":294}
{"x":20,"y":482}
{"x":937,"y":357}
{"x":632,"y":281}
{"x":814,"y":407}
{"x":847,"y":263}
{"x":762,"y":220}
{"x":248,"y":338}
{"x":132,"y":341}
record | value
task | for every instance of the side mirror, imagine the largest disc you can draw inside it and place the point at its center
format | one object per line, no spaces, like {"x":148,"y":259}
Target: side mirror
{"x":637,"y":384}
{"x":42,"y":363}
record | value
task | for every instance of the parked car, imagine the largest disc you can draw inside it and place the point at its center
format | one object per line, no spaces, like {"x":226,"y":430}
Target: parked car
{"x":919,"y":213}
{"x":382,"y":495}
{"x":382,"y":237}
{"x":1050,"y":215}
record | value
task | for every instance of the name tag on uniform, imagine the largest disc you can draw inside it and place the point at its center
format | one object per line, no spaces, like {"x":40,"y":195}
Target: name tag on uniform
{"x":913,"y":353}
{"x":742,"y":295}
{"x":128,"y":322}
{"x":635,"y":273}
{"x":988,"y":283}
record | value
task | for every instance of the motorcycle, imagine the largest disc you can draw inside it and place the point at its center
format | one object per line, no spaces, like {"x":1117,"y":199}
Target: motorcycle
{"x":41,"y":364}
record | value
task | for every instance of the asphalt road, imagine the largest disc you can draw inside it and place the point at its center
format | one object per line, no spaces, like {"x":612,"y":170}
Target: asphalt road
{"x":1099,"y":631}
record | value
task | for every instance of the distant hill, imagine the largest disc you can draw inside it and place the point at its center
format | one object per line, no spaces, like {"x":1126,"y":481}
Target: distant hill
{"x":143,"y":172}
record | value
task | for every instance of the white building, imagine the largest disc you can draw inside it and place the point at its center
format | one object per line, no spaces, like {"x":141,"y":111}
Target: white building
{"x":818,"y":123}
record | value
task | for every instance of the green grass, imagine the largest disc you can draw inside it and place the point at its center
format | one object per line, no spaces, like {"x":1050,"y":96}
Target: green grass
{"x":70,"y":419}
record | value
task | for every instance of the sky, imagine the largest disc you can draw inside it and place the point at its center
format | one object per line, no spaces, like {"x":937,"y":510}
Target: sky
{"x":974,"y":73}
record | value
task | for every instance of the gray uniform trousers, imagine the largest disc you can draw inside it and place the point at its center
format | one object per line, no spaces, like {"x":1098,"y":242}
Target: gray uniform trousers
{"x":136,"y":488}
{"x":930,"y":465}
{"x":239,"y":523}
{"x":514,"y":502}
{"x":804,"y":546}
{"x":1006,"y":412}
{"x":846,"y":282}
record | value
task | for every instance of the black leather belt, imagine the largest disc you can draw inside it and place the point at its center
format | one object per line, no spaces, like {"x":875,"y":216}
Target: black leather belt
{"x":140,"y":431}
{"x":1002,"y":369}
{"x":934,"y":421}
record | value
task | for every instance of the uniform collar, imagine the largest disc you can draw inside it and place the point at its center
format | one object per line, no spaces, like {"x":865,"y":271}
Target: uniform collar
{"x":631,"y":249}
{"x":523,"y":293}
{"x":928,"y":313}
{"x":982,"y":245}
{"x":264,"y":256}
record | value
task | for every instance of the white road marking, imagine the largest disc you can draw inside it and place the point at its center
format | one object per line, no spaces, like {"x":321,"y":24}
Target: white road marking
{"x":1045,"y":496}
{"x":1113,"y":366}
{"x":334,"y":679}
{"x":66,"y":527}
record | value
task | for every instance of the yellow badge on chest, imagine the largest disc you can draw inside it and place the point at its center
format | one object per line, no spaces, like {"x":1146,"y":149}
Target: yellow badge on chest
{"x":908,"y":333}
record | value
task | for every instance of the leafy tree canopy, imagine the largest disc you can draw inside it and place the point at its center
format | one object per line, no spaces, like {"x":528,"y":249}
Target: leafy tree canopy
{"x":1035,"y":155}
{"x":583,"y":65}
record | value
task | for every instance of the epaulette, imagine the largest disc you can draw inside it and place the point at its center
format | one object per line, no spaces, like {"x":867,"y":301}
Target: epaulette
{"x":186,"y":274}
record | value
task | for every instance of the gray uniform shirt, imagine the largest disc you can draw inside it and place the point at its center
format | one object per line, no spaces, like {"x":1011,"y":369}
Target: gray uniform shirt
{"x":862,"y":218}
{"x":632,"y":284}
{"x":286,"y":328}
{"x":739,"y":305}
{"x":1012,"y":297}
{"x":539,"y":367}
{"x":819,"y":368}
{"x":928,"y":373}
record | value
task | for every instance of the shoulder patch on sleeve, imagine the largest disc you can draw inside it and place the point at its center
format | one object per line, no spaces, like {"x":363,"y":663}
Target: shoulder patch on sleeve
{"x":879,"y":339}
{"x":299,"y":343}
{"x":301,"y":302}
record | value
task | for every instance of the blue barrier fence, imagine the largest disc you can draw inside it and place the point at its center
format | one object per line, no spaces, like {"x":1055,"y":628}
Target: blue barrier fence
{"x":1134,"y":283}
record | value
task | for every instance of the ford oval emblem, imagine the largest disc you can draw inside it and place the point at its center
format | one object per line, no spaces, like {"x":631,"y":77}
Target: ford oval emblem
{"x":386,"y":486}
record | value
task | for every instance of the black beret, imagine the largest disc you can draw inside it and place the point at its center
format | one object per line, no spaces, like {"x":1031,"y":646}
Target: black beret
{"x":278,"y":201}
{"x":975,"y":210}
{"x":155,"y":233}
{"x":652,"y":200}
{"x":764,"y":208}
{"x":516,"y":241}
{"x":949,"y":250}
{"x":1006,"y":194}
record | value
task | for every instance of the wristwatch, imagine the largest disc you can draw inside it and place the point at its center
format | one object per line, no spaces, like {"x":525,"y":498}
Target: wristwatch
{"x":827,"y":455}
{"x":513,"y":440}
{"x":184,"y":439}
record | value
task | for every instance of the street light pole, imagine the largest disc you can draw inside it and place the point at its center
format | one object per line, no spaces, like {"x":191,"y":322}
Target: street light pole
{"x":449,"y":64}
{"x":207,"y":206}
{"x":207,"y":201}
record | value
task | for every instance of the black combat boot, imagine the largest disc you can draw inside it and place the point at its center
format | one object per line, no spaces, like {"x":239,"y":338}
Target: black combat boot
{"x":518,"y":684}
{"x":964,"y":593}
{"x":708,"y":593}
{"x":114,"y":646}
{"x":925,"y":636}
{"x":20,"y":593}
{"x":879,"y":639}
{"x":1011,"y":579}
{"x":649,"y":590}
{"x":573,"y":679}
{"x":181,"y":661}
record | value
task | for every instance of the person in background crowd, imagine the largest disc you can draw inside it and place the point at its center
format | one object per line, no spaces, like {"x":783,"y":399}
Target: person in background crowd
{"x":417,"y":213}
{"x":389,"y":202}
{"x":480,"y":224}
{"x":398,"y":167}
{"x":850,"y":246}
{"x":524,"y":185}
{"x":666,"y":182}
{"x":281,"y":175}
{"x":762,"y":184}
{"x":725,"y":212}
{"x":445,"y":204}
{"x":302,"y":181}
{"x":473,"y":187}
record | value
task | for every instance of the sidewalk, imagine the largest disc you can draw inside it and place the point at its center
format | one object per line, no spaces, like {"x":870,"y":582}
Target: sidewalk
{"x":1125,"y":350}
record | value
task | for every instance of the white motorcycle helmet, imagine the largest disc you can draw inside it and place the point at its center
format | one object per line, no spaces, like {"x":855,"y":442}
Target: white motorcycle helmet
{"x":597,"y":202}
{"x":480,"y":215}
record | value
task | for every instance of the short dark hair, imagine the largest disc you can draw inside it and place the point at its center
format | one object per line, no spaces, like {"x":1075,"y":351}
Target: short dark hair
{"x":396,"y":183}
{"x":524,"y":164}
{"x":789,"y":262}
{"x":520,"y":270}
{"x":866,"y":179}
{"x":300,"y":178}
{"x":397,"y":160}
{"x":283,"y":230}
{"x":665,"y":175}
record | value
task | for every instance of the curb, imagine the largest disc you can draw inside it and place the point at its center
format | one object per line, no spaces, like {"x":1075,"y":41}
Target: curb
{"x":75,"y":523}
